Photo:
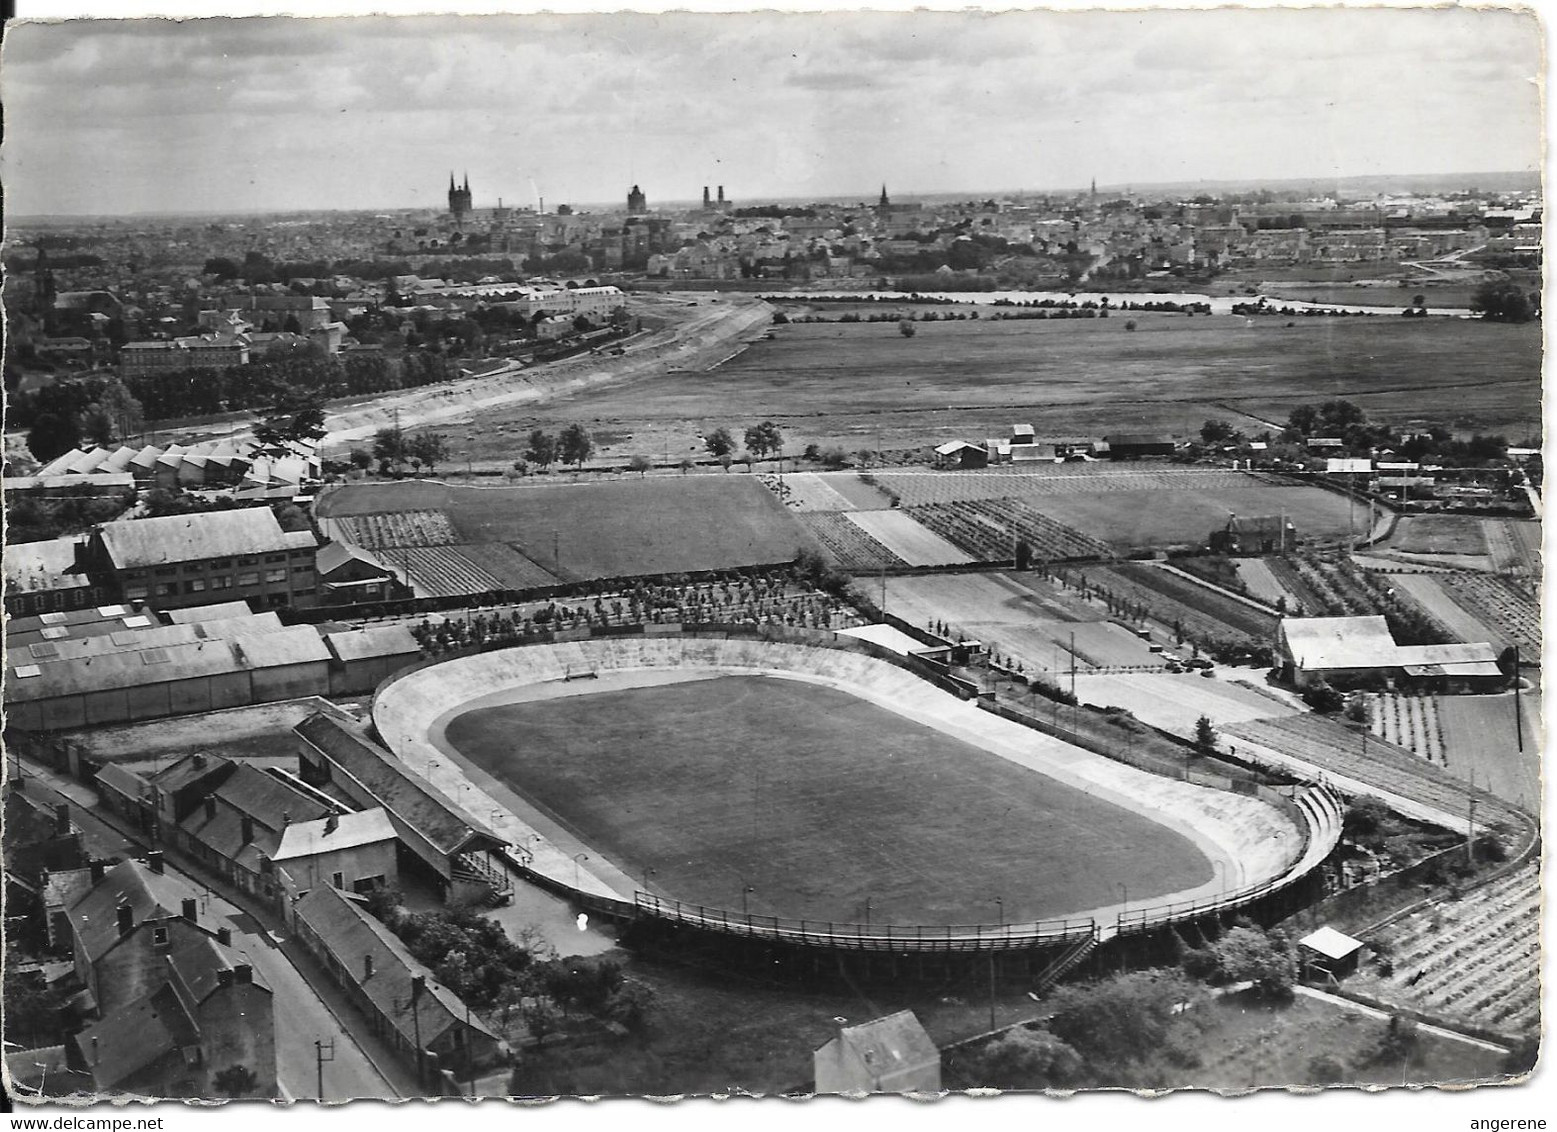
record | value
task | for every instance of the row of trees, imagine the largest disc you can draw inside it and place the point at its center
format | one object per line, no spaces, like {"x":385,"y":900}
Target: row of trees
{"x":1346,"y":421}
{"x":573,"y":445}
{"x":393,"y":449}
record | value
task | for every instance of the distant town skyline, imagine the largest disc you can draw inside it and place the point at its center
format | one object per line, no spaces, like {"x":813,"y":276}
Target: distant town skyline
{"x":117,"y":117}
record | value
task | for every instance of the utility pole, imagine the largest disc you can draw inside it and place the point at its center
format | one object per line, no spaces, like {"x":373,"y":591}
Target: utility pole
{"x":1470,"y":836}
{"x":1519,"y":721}
{"x":991,"y":990}
{"x":323,"y":1051}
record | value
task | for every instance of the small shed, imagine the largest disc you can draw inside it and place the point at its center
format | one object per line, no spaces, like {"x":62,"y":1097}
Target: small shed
{"x":960,"y":454}
{"x":1331,"y":954}
{"x":889,"y":1055}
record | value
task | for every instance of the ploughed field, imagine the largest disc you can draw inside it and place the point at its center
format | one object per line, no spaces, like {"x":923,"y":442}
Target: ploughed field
{"x":520,"y":537}
{"x":810,"y":801}
{"x":865,"y":386}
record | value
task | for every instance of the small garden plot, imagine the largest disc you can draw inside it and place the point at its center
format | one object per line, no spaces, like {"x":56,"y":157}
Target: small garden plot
{"x":1500,"y":605}
{"x":442,"y":571}
{"x":1262,"y":583}
{"x":907,"y":539}
{"x":849,"y":546}
{"x":1407,"y":721}
{"x":384,"y":530}
{"x":1438,"y":534}
{"x":807,"y":491}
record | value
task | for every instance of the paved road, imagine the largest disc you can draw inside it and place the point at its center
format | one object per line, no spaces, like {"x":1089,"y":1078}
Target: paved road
{"x":301,"y":1016}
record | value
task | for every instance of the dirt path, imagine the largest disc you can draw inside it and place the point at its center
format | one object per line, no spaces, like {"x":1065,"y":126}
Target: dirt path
{"x":705,"y":338}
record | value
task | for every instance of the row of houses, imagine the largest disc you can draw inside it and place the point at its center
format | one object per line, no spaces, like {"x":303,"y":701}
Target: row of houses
{"x":243,"y":466}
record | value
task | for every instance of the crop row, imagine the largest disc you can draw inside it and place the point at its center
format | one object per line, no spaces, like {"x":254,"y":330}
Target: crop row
{"x":849,"y":546}
{"x":989,"y":529}
{"x":1478,"y":959}
{"x":1409,"y":721}
{"x":385,"y":529}
{"x":442,"y":571}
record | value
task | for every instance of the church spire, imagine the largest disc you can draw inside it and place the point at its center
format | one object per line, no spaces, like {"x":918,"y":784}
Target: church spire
{"x":884,"y":201}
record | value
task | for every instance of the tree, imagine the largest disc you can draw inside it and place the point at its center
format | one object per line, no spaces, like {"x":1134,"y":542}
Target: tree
{"x":389,"y":447}
{"x":720,"y":443}
{"x":1216,"y":431}
{"x":1302,"y":420}
{"x":236,"y":1081}
{"x":52,"y":435}
{"x":360,"y":458}
{"x":1026,"y":1059}
{"x":1502,"y":300}
{"x":116,"y":414}
{"x":574,"y":445}
{"x":640,"y":464}
{"x":542,"y":450}
{"x":297,"y":414}
{"x":1124,"y":1019}
{"x":1205,"y":737}
{"x":429,"y":447}
{"x":1358,"y":711}
{"x":542,"y":1018}
{"x":906,"y":329}
{"x":1269,"y":961}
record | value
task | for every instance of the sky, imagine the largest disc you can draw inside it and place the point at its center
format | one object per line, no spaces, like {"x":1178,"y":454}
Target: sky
{"x":123,"y":116}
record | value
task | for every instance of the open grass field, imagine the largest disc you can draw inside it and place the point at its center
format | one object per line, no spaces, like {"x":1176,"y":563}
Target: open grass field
{"x":811,"y":801}
{"x":593,"y":530}
{"x":1438,"y":534}
{"x":1022,"y":617}
{"x":1174,"y":701}
{"x":913,"y":543}
{"x":863,"y":385}
{"x":1509,"y":609}
{"x":1130,"y":520}
{"x":1428,"y":591}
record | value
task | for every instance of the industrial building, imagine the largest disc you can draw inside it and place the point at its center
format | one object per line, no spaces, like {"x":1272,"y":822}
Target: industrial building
{"x":1352,"y":650}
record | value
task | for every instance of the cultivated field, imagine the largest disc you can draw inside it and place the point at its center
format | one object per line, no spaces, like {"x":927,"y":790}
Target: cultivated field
{"x":1190,"y":611}
{"x":989,"y":529}
{"x":809,"y":802}
{"x":1476,"y":961}
{"x":1134,"y":520}
{"x":915,"y":544}
{"x":579,"y":531}
{"x":864,"y":386}
{"x":1480,"y":742}
{"x":1013,"y":481}
{"x":846,"y":543}
{"x":1429,"y":591}
{"x":808,"y":491}
{"x":1411,"y":722}
{"x":1503,"y":606}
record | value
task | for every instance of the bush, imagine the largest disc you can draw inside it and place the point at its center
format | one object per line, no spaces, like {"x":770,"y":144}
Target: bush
{"x":1326,"y":1069}
{"x":1025,"y":1059}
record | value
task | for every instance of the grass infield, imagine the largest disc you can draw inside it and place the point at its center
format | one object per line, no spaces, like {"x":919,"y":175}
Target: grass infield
{"x":816,"y":801}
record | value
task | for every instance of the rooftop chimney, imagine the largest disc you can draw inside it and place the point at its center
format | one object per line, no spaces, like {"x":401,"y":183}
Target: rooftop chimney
{"x":154,"y":861}
{"x":224,"y":936}
{"x":331,"y":824}
{"x":367,"y":967}
{"x":61,"y":819}
{"x":243,"y":973}
{"x":126,"y":920}
{"x":98,"y":868}
{"x":191,"y":910}
{"x":199,"y":761}
{"x":247,"y":829}
{"x":418,"y":985}
{"x":224,"y":977}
